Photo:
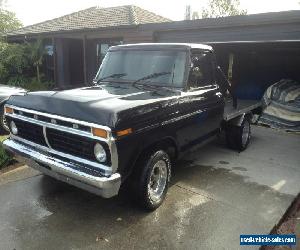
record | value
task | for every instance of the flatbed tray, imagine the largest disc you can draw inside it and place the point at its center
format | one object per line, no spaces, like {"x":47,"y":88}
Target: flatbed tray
{"x":243,"y":106}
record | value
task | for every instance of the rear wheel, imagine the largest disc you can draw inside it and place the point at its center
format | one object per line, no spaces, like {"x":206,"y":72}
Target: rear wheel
{"x":152,"y":178}
{"x":238,"y":137}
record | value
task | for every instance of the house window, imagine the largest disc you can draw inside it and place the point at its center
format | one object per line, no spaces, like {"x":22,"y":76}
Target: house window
{"x":102,"y":48}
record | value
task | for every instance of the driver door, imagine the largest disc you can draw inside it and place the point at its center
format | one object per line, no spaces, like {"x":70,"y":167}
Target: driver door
{"x":202,"y":103}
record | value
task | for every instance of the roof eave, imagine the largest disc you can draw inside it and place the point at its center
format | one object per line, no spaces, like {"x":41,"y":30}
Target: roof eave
{"x":61,"y":32}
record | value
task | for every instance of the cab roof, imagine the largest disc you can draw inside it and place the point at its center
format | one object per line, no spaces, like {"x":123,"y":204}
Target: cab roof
{"x":150,"y":46}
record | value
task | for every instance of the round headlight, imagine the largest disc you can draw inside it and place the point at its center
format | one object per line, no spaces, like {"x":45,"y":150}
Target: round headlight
{"x":13,"y":128}
{"x":99,"y":152}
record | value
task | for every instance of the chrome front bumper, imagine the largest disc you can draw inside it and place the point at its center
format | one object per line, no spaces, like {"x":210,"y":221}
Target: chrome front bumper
{"x":64,"y":171}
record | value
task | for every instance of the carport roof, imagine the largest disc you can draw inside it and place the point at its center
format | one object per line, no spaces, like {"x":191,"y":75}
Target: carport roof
{"x":93,"y":18}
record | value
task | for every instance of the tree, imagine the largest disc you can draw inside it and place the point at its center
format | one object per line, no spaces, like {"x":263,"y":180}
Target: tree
{"x":19,"y":63}
{"x":14,"y":61}
{"x":221,"y":8}
{"x":36,"y":52}
{"x":8,"y":21}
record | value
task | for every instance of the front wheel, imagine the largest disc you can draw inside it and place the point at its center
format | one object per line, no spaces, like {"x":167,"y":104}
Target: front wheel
{"x":238,"y":137}
{"x":153,"y":175}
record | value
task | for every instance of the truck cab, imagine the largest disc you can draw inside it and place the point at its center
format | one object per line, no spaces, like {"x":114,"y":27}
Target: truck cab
{"x":148,"y":104}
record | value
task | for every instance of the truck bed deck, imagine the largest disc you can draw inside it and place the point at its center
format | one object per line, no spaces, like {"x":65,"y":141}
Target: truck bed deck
{"x":243,"y":106}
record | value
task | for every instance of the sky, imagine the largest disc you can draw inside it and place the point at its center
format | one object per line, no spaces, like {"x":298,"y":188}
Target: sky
{"x":34,"y":11}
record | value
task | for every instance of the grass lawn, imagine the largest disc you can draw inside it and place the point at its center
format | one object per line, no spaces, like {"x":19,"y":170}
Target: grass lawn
{"x":4,"y":158}
{"x":3,"y":137}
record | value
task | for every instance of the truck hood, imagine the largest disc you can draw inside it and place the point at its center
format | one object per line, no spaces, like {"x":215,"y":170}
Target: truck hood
{"x":111,"y":105}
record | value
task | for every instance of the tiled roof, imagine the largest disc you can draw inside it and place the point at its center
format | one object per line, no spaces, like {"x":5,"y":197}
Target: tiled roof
{"x":93,"y":18}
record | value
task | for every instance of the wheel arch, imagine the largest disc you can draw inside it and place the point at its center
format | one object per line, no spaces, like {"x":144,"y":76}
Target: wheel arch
{"x":237,"y":121}
{"x":3,"y":130}
{"x":167,"y":144}
{"x":2,"y":102}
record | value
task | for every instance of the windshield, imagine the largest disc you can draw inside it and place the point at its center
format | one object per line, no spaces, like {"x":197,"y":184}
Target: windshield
{"x":133,"y":65}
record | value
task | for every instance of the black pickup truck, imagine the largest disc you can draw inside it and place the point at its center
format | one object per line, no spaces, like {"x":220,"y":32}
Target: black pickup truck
{"x":148,"y":104}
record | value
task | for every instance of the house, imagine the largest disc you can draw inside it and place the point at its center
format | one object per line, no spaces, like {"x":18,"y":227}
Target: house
{"x":262,"y":48}
{"x":76,"y":43}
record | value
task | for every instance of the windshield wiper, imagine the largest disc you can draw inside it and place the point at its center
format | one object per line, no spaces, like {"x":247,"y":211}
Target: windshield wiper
{"x":154,"y":75}
{"x":118,"y":75}
{"x":151,"y":86}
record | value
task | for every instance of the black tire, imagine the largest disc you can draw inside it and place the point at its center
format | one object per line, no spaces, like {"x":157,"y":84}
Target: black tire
{"x":3,"y":130}
{"x":145,"y":170}
{"x":238,"y":137}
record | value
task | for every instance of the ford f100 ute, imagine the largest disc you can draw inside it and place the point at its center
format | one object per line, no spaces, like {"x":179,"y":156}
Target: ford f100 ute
{"x":148,"y":104}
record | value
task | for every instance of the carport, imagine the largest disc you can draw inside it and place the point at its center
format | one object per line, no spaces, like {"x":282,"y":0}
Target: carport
{"x":257,"y":65}
{"x":255,"y":51}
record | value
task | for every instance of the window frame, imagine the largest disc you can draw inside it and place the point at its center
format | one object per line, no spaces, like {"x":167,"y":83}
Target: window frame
{"x":213,"y":67}
{"x":186,"y":65}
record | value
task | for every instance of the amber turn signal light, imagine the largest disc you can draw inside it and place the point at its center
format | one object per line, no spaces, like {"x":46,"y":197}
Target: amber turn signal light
{"x":99,"y":132}
{"x":8,"y":110}
{"x":124,"y":132}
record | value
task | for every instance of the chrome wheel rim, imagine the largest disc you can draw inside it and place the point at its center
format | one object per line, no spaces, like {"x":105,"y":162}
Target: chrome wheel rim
{"x":246,"y":133}
{"x":158,"y":180}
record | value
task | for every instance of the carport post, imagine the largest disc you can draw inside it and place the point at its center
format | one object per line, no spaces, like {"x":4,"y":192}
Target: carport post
{"x":54,"y":60}
{"x":84,"y":59}
{"x":229,"y":73}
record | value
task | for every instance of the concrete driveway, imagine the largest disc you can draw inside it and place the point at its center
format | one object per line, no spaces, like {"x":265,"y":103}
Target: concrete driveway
{"x":216,"y":195}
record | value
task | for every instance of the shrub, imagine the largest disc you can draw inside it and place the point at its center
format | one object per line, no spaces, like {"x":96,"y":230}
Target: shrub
{"x":19,"y":66}
{"x":4,"y":157}
{"x":13,"y":61}
{"x":30,"y":83}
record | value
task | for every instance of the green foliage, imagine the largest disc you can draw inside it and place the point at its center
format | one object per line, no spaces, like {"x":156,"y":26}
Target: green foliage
{"x":31,"y":83}
{"x":38,"y":85}
{"x":20,"y":65}
{"x":221,"y":8}
{"x":36,"y":52}
{"x":13,"y":60}
{"x":8,"y":21}
{"x":4,"y":158}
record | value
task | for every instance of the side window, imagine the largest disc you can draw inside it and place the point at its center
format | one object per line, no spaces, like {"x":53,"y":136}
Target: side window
{"x":201,"y":74}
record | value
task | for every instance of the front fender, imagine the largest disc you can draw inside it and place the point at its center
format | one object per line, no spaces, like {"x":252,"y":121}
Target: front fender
{"x":131,"y":147}
{"x":2,"y":102}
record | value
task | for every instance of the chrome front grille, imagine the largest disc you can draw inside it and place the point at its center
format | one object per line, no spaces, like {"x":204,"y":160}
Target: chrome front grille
{"x":71,"y":144}
{"x":58,"y":140}
{"x":53,"y":120}
{"x":29,"y":131}
{"x":64,"y":137}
